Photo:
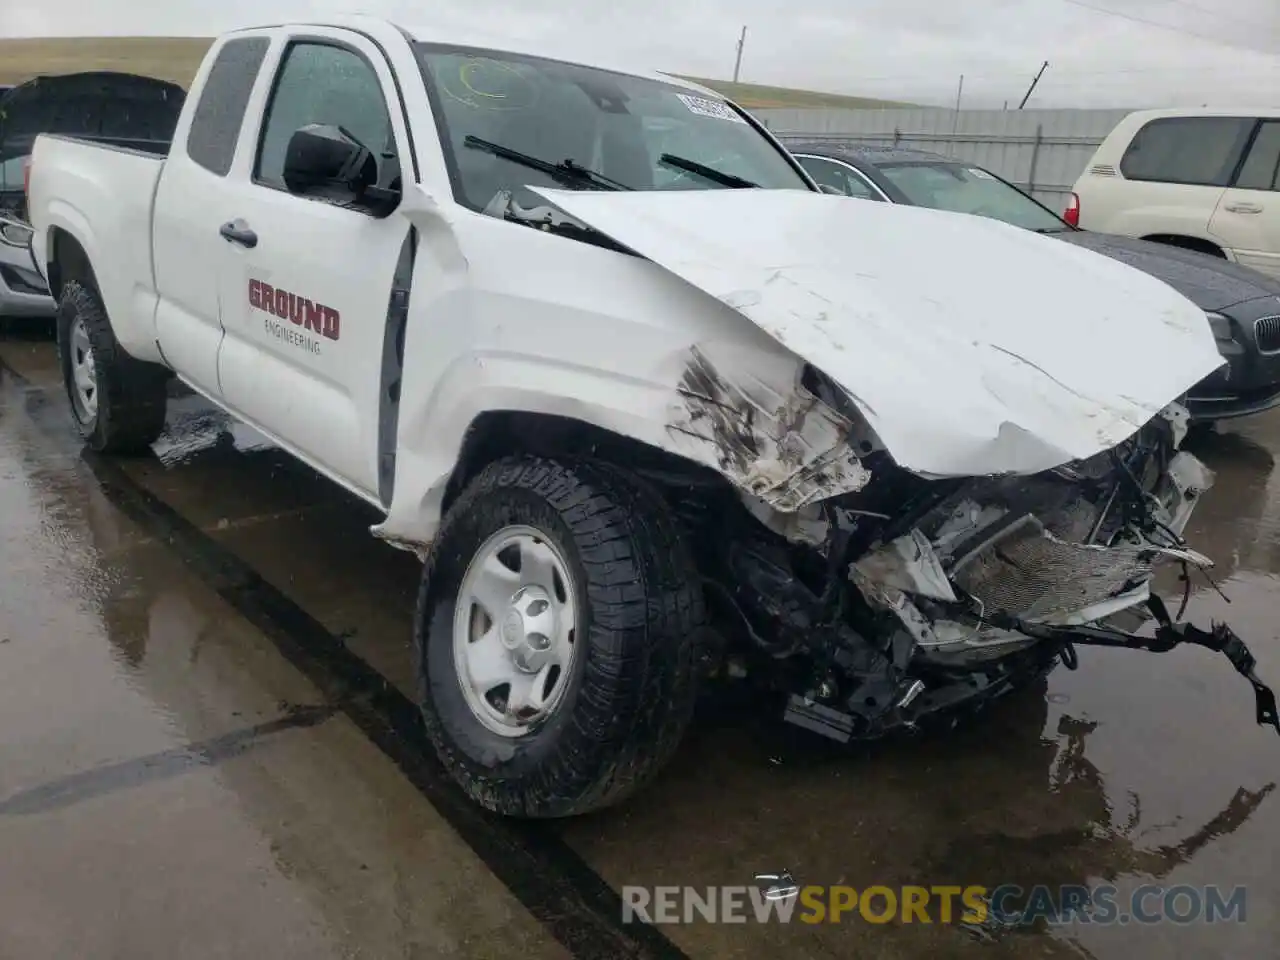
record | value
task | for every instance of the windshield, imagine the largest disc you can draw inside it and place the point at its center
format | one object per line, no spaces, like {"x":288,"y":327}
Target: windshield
{"x":965,"y":189}
{"x":628,"y":129}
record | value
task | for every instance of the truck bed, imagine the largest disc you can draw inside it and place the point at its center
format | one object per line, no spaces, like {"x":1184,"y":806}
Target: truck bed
{"x":107,"y":191}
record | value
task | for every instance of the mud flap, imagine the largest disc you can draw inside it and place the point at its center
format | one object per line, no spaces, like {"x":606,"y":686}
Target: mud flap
{"x":1219,"y":637}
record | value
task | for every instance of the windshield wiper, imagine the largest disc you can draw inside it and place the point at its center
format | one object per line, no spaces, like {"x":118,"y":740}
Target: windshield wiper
{"x":702,"y":170}
{"x":569,"y":172}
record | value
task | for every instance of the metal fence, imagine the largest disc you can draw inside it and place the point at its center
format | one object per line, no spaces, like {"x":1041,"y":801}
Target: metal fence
{"x":1042,"y":151}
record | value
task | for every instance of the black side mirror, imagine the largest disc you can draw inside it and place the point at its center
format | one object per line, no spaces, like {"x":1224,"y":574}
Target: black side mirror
{"x":321,"y":156}
{"x":327,"y":159}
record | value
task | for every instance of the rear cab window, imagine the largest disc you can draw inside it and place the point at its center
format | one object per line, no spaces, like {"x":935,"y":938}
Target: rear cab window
{"x":1199,"y":151}
{"x":617,"y":125}
{"x":216,"y":121}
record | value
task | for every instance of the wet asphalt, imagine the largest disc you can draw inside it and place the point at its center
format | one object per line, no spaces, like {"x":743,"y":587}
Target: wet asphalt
{"x":208,"y":746}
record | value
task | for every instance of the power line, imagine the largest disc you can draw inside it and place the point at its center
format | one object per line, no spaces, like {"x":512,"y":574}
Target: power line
{"x":1275,"y":28}
{"x":1163,"y":26}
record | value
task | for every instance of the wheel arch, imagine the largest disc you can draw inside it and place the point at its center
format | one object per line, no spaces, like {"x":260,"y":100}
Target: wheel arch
{"x":1187,"y":242}
{"x":68,"y":260}
{"x":494,"y":434}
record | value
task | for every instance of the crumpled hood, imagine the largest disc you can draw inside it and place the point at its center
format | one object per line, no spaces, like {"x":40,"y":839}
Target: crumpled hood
{"x":1210,"y":282}
{"x":972,"y":347}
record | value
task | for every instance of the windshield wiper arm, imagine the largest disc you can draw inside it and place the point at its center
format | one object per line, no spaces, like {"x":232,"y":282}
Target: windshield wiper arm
{"x":702,"y":170}
{"x":568,"y":172}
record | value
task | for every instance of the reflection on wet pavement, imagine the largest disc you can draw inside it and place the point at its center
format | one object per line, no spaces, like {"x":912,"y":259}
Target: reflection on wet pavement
{"x":124,"y":644}
{"x":170,"y":785}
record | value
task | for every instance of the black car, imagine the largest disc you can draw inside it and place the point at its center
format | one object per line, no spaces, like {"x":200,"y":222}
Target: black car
{"x":1242,"y":305}
{"x":122,"y":109}
{"x":117,"y":108}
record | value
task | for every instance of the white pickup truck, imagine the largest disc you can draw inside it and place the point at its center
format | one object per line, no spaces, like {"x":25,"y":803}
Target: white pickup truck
{"x":646,"y":402}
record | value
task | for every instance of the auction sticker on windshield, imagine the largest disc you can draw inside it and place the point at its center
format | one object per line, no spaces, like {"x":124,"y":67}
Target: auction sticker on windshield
{"x":709,"y":108}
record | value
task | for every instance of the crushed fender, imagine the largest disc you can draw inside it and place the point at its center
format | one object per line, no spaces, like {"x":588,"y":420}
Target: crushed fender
{"x":788,"y":449}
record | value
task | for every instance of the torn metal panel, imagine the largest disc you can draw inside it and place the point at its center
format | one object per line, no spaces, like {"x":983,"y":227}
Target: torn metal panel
{"x":1190,"y":478}
{"x":1024,"y":550}
{"x":966,"y":368}
{"x":806,"y":525}
{"x":908,"y":563}
{"x":785,"y":447}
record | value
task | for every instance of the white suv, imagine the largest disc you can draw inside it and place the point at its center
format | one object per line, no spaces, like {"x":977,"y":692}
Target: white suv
{"x":1205,"y":179}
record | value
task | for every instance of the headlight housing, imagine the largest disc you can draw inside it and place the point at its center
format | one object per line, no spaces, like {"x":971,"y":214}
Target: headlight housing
{"x":1221,"y":326}
{"x":14,"y":234}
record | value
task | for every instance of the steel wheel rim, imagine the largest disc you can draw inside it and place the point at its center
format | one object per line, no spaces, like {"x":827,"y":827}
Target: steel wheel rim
{"x":514,"y":631}
{"x":84,"y":371}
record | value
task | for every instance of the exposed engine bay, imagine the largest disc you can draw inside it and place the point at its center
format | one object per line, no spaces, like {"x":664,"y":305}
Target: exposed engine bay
{"x":908,"y":598}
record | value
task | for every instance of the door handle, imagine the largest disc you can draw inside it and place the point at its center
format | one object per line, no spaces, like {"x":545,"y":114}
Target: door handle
{"x":236,"y":232}
{"x":1243,"y":208}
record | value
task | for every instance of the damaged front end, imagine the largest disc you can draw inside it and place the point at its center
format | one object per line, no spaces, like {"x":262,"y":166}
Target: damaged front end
{"x":909,"y":599}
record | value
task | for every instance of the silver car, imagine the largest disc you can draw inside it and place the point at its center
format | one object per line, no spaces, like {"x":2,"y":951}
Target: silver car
{"x":22,"y":292}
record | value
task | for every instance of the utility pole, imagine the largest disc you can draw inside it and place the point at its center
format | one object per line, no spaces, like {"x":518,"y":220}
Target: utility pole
{"x":737,"y":66}
{"x":955,"y":121}
{"x":1043,"y":67}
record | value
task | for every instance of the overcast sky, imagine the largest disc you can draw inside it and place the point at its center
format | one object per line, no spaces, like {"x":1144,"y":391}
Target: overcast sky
{"x":896,"y":49}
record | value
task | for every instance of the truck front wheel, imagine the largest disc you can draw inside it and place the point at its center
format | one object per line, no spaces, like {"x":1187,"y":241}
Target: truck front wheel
{"x":556,"y":636}
{"x":118,"y":401}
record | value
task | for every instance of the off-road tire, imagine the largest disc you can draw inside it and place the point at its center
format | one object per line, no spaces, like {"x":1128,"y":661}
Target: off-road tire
{"x":641,"y":619}
{"x":131,"y":393}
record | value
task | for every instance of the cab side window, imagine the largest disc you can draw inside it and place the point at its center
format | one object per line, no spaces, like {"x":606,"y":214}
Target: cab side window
{"x":323,"y":84}
{"x":1199,"y":151}
{"x":1261,"y":170}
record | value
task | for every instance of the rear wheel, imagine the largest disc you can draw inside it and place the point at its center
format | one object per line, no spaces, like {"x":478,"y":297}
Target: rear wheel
{"x":118,"y":401}
{"x":556,"y":637}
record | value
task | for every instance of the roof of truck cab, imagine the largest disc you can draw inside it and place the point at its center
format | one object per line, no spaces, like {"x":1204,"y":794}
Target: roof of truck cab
{"x":499,"y":43}
{"x":1176,"y":112}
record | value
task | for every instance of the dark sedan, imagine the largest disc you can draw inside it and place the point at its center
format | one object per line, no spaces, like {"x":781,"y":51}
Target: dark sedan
{"x":1242,"y":305}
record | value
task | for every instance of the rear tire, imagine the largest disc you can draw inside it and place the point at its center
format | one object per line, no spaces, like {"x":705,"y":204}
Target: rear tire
{"x":118,"y":402}
{"x":637,"y":616}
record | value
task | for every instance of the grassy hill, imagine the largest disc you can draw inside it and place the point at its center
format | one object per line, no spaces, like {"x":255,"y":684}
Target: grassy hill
{"x":756,"y":96}
{"x":176,"y":59}
{"x":169,"y":58}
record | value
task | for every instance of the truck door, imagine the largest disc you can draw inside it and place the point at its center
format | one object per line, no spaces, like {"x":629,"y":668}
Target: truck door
{"x":194,"y":267}
{"x":302,"y":351}
{"x":1247,"y":219}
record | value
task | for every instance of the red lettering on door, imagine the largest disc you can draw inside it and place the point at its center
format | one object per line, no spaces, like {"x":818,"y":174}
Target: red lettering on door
{"x":331,"y":323}
{"x":314,"y":312}
{"x":308,"y":314}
